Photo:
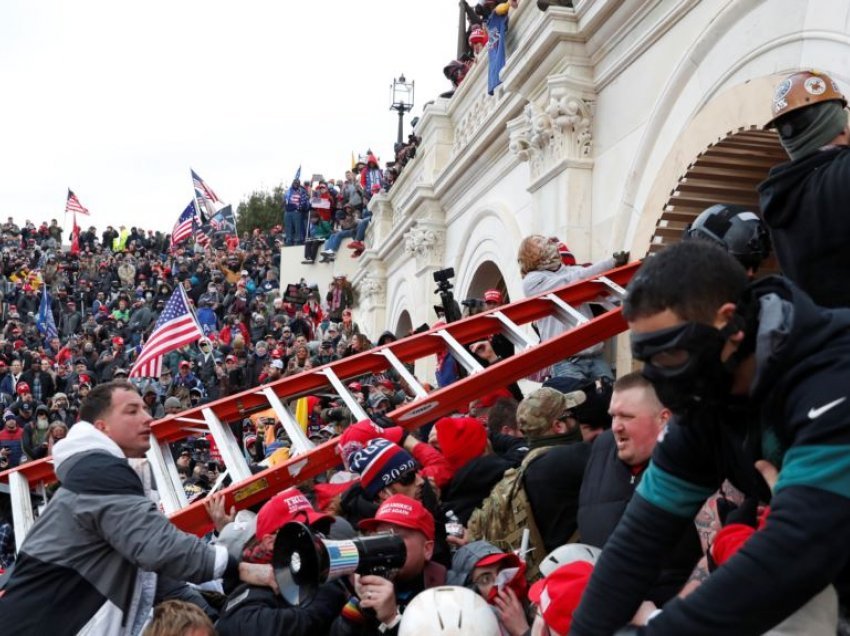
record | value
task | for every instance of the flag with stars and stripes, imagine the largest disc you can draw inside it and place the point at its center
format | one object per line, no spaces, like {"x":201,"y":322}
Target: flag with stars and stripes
{"x":183,"y":228}
{"x":175,"y":328}
{"x":205,"y":198}
{"x":72,"y":204}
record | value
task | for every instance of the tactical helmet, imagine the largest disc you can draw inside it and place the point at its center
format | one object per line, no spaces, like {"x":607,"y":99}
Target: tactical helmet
{"x":736,"y":229}
{"x":800,"y":90}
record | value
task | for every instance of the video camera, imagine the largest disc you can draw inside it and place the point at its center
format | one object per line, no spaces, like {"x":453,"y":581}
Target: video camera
{"x":448,"y":307}
{"x":302,"y":560}
{"x":473,"y":303}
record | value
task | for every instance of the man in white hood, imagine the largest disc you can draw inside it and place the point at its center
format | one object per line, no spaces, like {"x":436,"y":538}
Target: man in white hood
{"x":93,"y":555}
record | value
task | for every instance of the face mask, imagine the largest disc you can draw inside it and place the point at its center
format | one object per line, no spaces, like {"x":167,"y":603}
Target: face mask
{"x":41,"y":423}
{"x":683,"y":364}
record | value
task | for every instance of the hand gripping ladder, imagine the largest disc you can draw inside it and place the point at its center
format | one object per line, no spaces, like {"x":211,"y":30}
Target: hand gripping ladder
{"x":308,"y":460}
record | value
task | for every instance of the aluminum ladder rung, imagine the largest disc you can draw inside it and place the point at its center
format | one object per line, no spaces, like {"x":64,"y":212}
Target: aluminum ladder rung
{"x":566,"y":312}
{"x":22,"y":515}
{"x":406,"y":375}
{"x":299,"y":441}
{"x":512,"y":331}
{"x":613,"y":287}
{"x":460,"y":353}
{"x":343,"y":392}
{"x":232,"y":455}
{"x":167,"y":478}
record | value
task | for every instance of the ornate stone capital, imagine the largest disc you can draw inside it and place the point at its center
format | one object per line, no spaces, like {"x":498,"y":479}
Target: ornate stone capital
{"x":373,"y":288}
{"x":425,"y":241}
{"x":561,"y":129}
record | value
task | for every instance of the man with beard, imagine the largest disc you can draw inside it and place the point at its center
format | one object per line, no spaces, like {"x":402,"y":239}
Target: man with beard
{"x":754,"y":373}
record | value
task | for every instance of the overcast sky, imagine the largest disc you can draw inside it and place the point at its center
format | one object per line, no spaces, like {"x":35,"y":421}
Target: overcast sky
{"x":117,"y":100}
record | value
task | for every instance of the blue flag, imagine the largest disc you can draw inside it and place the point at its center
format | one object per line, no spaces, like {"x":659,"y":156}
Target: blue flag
{"x":44,"y":323}
{"x":497,"y":30}
{"x":298,"y":175}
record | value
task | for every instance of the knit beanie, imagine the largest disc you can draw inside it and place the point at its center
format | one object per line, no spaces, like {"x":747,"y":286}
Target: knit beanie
{"x":380,"y":463}
{"x":817,"y":125}
{"x":461,"y":439}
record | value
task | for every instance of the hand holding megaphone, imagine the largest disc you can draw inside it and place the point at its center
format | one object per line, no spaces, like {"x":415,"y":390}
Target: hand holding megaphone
{"x":302,"y":560}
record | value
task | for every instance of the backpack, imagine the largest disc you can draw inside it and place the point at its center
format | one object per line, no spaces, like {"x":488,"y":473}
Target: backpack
{"x":506,"y":512}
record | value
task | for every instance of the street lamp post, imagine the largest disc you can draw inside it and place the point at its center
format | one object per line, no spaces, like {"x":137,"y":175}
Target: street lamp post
{"x":402,"y":101}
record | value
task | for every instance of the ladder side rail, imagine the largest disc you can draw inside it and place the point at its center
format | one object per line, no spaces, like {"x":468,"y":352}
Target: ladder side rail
{"x":410,"y":348}
{"x":261,"y":486}
{"x":412,"y":415}
{"x":22,"y":514}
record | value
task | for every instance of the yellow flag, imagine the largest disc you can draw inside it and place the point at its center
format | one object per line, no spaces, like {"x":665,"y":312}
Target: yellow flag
{"x":301,"y":413}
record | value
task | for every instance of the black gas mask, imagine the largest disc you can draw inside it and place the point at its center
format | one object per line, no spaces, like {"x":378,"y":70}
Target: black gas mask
{"x":683,"y":364}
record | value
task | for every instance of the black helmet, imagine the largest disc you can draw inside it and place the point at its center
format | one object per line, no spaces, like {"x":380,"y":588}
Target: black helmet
{"x":735,"y":228}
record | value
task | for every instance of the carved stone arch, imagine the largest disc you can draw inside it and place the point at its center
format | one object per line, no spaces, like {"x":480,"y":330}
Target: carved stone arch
{"x":709,"y":96}
{"x":487,"y":276}
{"x":489,"y":237}
{"x":398,"y":300}
{"x":404,"y":326}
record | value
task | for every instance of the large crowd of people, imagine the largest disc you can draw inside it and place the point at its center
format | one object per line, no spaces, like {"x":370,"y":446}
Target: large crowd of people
{"x":705,"y":494}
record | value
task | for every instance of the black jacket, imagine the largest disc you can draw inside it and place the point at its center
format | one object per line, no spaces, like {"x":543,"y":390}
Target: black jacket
{"x":259,"y":611}
{"x":472,"y":484}
{"x":552,"y":483}
{"x":804,"y":203}
{"x":799,"y":394}
{"x":606,"y":490}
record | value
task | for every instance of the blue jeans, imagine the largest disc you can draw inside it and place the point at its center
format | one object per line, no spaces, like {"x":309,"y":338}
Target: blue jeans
{"x":583,"y":370}
{"x":294,"y":226}
{"x":360,"y":232}
{"x":335,"y":239}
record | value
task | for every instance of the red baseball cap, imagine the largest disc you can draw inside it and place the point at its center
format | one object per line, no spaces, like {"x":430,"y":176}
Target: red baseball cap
{"x":401,"y":510}
{"x":290,"y":505}
{"x":559,"y":594}
{"x":509,"y":559}
{"x":185,"y":363}
{"x":387,"y":384}
{"x":492,"y":296}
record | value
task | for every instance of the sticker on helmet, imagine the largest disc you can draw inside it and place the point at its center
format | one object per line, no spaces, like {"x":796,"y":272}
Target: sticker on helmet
{"x":815,"y":86}
{"x":782,"y":91}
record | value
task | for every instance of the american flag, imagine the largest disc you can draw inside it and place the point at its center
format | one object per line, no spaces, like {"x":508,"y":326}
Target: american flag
{"x":183,"y":228}
{"x":204,"y":195}
{"x":73,"y":204}
{"x":176,"y":327}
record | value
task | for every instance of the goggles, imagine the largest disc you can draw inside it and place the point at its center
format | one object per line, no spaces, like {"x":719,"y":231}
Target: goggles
{"x":673,"y":351}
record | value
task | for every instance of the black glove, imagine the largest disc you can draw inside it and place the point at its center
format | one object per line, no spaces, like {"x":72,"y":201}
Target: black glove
{"x":620,"y":258}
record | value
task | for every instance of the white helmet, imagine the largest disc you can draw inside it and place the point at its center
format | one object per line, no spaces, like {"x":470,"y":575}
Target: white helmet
{"x":449,"y":611}
{"x":569,"y":553}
